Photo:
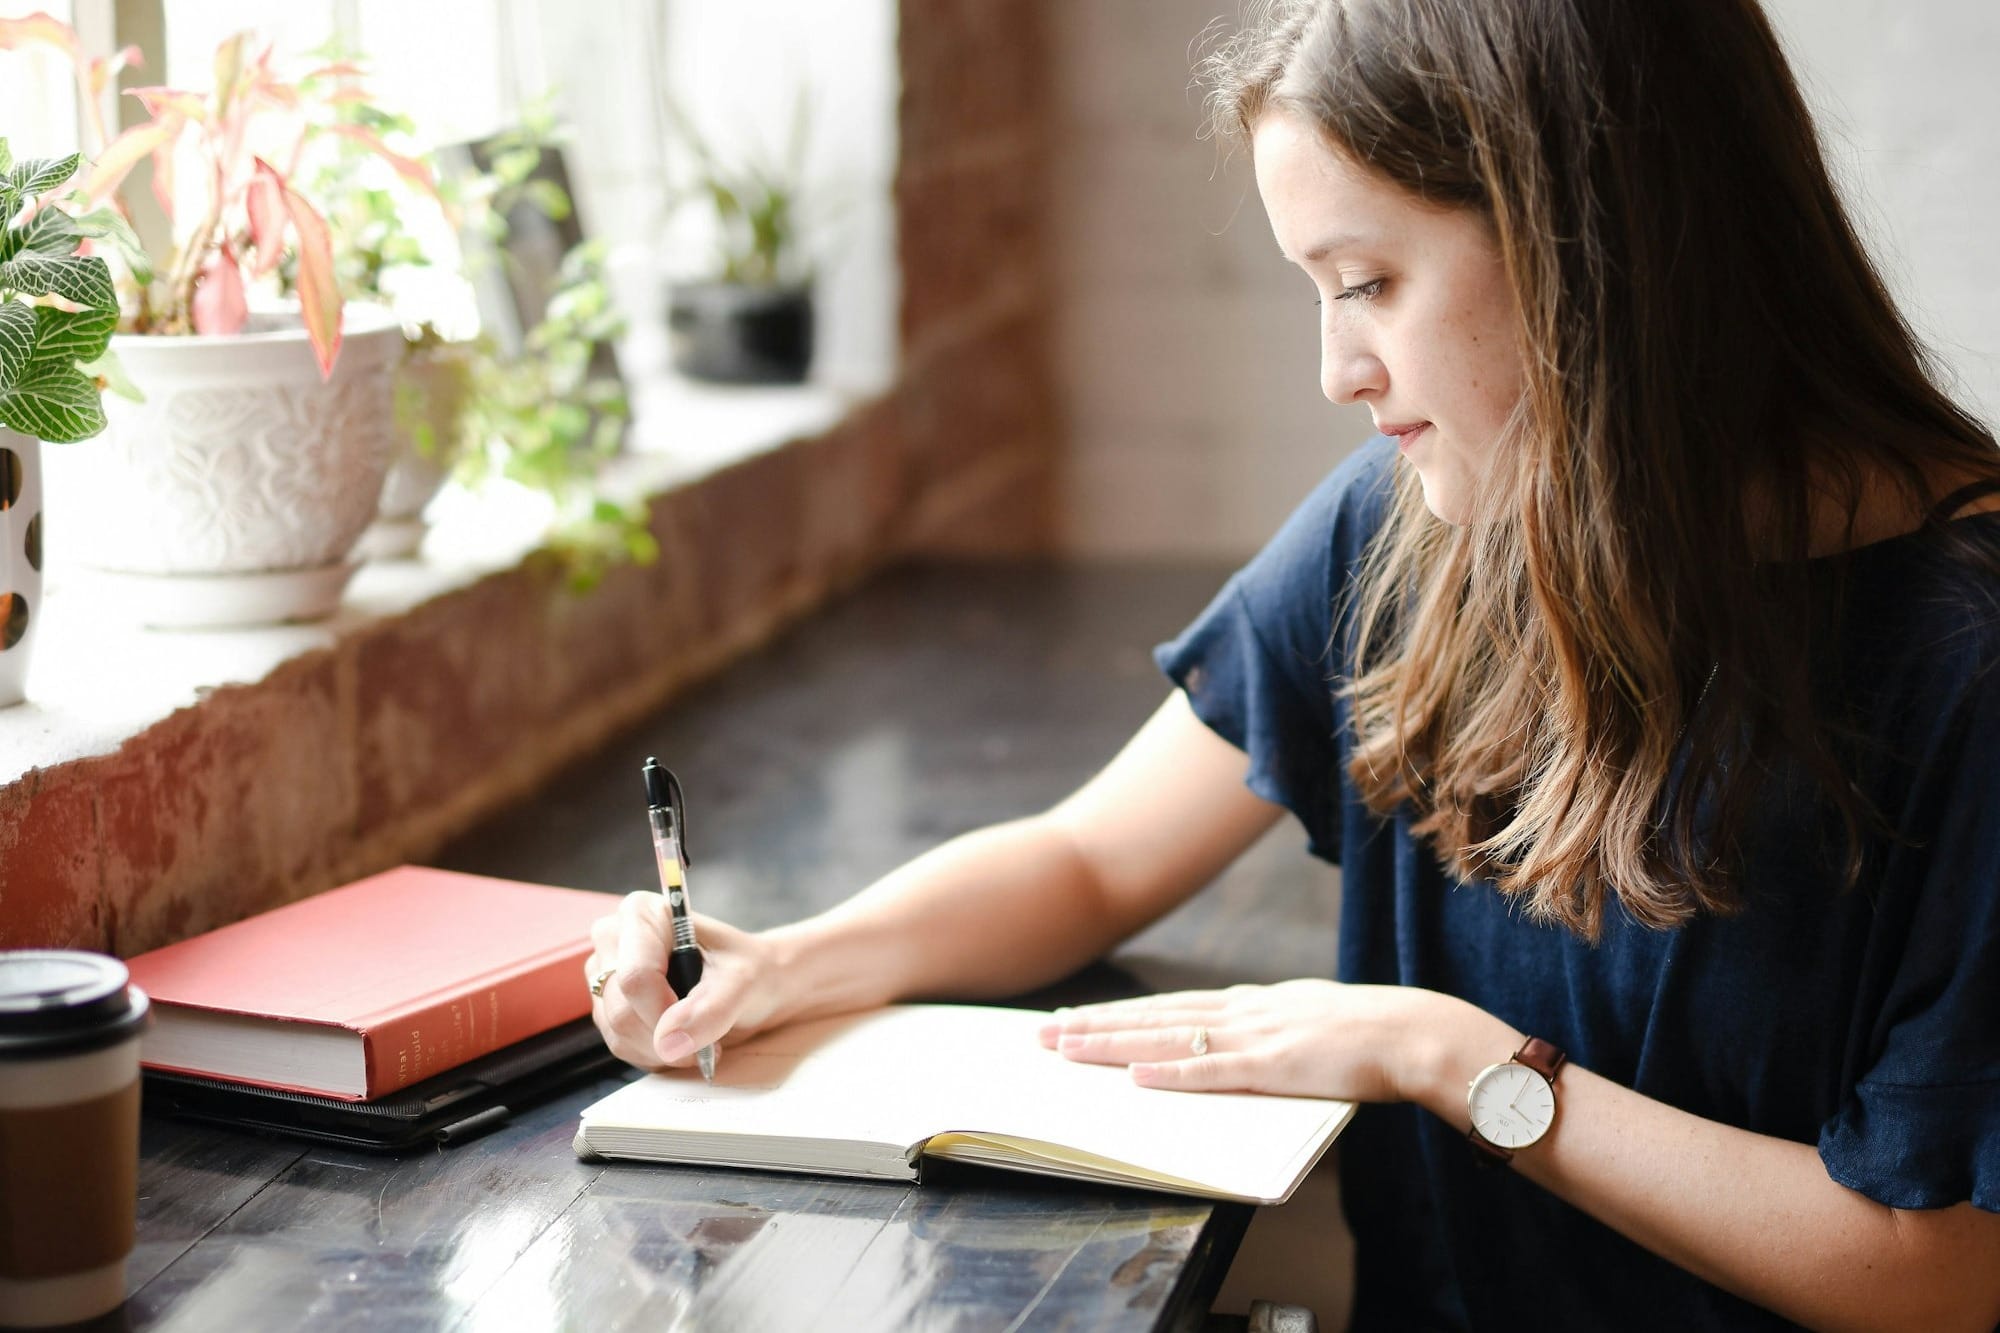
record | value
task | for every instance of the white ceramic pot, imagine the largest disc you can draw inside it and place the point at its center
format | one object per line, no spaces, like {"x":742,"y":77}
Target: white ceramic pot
{"x":432,"y":384}
{"x":20,"y":559}
{"x":234,"y":494}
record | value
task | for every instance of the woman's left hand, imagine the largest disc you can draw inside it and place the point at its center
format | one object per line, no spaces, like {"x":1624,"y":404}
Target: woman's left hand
{"x":1300,"y":1038}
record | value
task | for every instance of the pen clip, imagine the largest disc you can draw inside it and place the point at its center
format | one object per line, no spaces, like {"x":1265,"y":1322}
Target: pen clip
{"x":676,"y":805}
{"x":680,"y":818}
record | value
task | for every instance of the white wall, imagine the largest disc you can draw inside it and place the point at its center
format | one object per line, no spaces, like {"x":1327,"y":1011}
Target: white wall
{"x":37,"y":91}
{"x":1909,"y":110}
{"x":1188,"y":350}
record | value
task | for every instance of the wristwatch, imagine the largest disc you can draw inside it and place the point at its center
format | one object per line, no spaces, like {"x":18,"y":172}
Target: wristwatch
{"x":1513,"y":1103}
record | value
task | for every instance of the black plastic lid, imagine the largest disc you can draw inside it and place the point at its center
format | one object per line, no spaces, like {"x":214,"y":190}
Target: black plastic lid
{"x":58,"y":1001}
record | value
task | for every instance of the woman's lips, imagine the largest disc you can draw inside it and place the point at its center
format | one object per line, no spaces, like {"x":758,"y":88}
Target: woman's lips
{"x":1405,"y":437}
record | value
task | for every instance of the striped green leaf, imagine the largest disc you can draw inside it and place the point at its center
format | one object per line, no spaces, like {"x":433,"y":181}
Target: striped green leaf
{"x":70,"y":336}
{"x":17,"y":340}
{"x":82,"y":281}
{"x":51,"y":233}
{"x":54,"y":402}
{"x":37,"y":176}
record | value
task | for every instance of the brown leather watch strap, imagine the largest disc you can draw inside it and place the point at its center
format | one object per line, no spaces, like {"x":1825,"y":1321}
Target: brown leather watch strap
{"x":1542,"y":1057}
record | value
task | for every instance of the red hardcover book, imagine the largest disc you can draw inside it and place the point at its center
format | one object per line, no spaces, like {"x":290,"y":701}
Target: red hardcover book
{"x":370,"y":987}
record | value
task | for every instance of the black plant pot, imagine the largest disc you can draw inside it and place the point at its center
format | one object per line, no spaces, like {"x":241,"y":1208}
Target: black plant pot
{"x":733,"y":334}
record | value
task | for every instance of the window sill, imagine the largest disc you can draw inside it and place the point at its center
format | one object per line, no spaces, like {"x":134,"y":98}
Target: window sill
{"x":96,"y":682}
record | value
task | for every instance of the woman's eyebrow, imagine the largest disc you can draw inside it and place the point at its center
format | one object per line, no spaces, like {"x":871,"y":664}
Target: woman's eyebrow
{"x":1339,"y":241}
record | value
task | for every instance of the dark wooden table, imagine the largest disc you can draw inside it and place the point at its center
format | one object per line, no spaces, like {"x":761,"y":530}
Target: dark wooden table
{"x":935,"y":700}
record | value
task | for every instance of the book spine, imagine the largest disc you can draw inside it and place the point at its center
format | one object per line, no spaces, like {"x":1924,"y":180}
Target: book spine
{"x":444,"y":1031}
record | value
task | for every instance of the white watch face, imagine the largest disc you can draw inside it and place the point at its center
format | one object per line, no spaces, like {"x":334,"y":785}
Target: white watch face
{"x":1512,"y":1105}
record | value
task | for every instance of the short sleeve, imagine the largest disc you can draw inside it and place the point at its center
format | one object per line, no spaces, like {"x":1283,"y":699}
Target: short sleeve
{"x":1921,"y":1126}
{"x":1259,"y":664}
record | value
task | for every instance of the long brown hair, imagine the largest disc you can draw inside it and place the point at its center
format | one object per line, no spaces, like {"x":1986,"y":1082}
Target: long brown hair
{"x":1709,"y":358}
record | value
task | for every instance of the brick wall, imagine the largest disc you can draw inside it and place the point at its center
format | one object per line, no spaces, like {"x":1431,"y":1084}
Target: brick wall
{"x":411,"y":728}
{"x":975,"y":391}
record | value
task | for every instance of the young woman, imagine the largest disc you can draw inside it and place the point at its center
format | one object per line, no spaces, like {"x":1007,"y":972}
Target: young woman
{"x":1641,"y":682}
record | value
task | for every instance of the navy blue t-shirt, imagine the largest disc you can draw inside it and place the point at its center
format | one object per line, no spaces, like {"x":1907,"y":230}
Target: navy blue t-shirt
{"x":1865,"y":1022}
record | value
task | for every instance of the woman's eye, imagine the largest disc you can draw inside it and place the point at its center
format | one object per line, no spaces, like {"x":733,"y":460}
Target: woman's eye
{"x":1366,"y":291}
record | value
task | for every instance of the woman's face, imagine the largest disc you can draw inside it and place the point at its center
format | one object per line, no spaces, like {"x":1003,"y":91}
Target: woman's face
{"x":1416,"y":317}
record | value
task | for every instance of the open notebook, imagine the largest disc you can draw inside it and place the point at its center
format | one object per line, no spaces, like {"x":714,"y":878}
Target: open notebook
{"x":871,"y":1094}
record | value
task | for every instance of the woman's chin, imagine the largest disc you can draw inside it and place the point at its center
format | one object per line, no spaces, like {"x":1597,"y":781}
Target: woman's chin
{"x":1444,"y":499}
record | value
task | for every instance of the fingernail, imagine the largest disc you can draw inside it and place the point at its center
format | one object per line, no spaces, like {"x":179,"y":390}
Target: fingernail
{"x":1144,"y":1073}
{"x":676,"y":1046}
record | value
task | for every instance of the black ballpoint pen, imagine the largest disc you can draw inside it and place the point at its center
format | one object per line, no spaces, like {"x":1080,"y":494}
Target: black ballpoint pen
{"x":667,"y":813}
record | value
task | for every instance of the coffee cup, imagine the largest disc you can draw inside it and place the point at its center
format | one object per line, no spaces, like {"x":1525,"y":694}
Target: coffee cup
{"x":69,"y":1134}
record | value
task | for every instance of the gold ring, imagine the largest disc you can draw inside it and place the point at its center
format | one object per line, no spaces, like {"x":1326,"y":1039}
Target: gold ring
{"x":597,"y":982}
{"x":1200,"y":1043}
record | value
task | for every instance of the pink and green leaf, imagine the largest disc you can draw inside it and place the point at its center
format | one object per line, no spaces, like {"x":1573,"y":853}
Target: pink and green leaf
{"x":126,"y":152}
{"x":228,"y":72}
{"x":411,"y":170}
{"x":106,"y":68}
{"x":39,"y":30}
{"x":319,"y":294}
{"x":219,"y":305}
{"x":264,"y":202}
{"x":162,"y":102}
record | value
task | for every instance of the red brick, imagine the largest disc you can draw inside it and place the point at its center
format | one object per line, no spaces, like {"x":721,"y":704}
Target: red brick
{"x":49,"y":869}
{"x":855,"y":490}
{"x":449,"y":691}
{"x":981,"y":395}
{"x":967,"y":234}
{"x":627,"y":629}
{"x":969,"y":68}
{"x":229,"y":807}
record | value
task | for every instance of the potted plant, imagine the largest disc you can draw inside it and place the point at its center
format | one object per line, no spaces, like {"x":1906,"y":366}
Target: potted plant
{"x":235,"y":491}
{"x":393,"y":246}
{"x":750,"y":321}
{"x":57,"y":310}
{"x":547,"y":410}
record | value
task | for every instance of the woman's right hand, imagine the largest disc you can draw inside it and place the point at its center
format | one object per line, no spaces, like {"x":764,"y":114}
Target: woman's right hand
{"x":642,"y":1020}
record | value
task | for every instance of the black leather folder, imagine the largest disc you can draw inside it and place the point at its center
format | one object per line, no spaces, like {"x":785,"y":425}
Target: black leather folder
{"x":455,"y":1106}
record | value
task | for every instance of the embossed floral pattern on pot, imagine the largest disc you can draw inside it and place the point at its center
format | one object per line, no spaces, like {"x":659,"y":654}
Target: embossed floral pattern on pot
{"x":240,"y":460}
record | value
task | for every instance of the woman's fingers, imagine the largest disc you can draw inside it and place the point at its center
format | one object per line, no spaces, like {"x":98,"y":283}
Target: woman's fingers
{"x":1226,"y":1071}
{"x":1138,"y":1045}
{"x":701,"y":1019}
{"x":636,"y":993}
{"x":643,"y":1021}
{"x":1095,"y":1019}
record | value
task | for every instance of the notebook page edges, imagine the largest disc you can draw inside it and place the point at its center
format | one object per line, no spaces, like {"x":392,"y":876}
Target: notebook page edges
{"x":1054,"y":1159}
{"x":1232,"y":1145}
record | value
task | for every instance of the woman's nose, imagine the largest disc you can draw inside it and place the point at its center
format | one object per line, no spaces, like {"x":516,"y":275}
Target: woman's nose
{"x":1348,"y":373}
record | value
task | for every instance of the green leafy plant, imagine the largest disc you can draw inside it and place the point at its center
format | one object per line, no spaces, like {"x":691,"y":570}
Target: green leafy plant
{"x":544,"y":420}
{"x":58,"y":306}
{"x":755,"y":199}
